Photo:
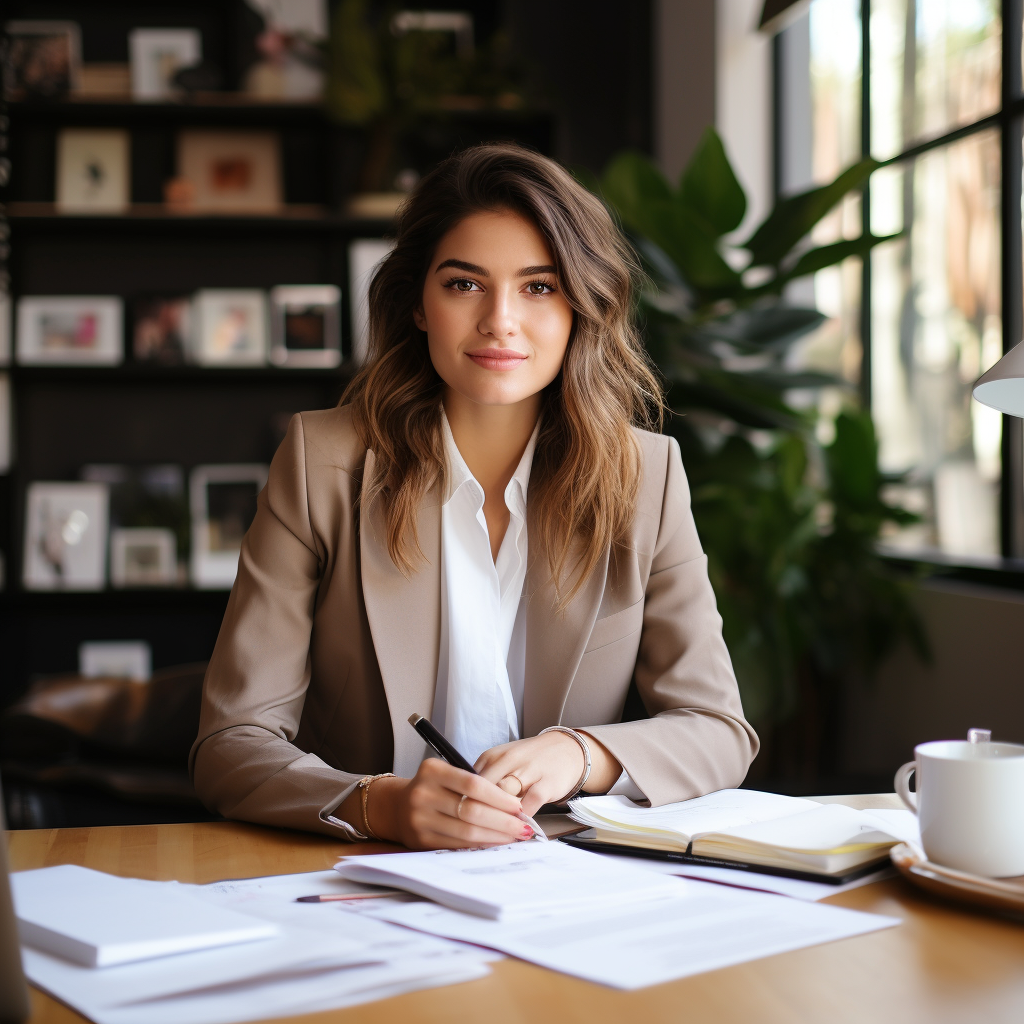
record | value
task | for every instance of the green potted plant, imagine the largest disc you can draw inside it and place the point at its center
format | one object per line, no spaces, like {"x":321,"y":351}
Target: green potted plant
{"x":789,"y":525}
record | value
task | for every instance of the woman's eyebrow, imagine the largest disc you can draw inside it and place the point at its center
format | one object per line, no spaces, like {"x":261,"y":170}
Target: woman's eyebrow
{"x":531,"y":271}
{"x":470,"y":268}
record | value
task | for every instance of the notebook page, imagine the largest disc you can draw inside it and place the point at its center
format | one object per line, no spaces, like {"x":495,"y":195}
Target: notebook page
{"x":827,"y":828}
{"x":712,"y":813}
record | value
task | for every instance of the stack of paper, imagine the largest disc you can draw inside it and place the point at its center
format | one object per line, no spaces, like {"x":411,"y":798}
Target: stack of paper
{"x":752,"y":828}
{"x":317,"y":959}
{"x":515,"y":881}
{"x":693,"y":927}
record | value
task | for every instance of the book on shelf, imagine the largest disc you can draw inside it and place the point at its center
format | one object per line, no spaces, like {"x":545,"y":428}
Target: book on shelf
{"x":751,"y":828}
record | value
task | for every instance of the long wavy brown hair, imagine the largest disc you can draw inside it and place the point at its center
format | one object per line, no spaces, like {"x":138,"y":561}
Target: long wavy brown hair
{"x":587,"y":466}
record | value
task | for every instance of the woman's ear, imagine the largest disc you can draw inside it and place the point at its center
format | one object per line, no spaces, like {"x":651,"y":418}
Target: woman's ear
{"x":419,"y":319}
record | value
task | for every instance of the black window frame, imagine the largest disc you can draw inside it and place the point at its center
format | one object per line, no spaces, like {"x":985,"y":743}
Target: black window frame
{"x":1008,"y":570}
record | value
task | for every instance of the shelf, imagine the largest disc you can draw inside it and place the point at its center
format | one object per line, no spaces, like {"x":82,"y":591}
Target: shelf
{"x":150,"y":216}
{"x":105,"y":601}
{"x":203,"y":108}
{"x":143,"y":372}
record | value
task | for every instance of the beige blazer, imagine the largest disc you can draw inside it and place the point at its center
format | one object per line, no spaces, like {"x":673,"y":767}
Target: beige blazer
{"x":326,"y":648}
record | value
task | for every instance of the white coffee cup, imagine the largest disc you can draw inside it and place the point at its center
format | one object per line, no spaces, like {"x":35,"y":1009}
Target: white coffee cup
{"x":969,"y":803}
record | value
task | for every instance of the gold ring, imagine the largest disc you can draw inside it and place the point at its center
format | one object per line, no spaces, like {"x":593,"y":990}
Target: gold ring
{"x":458,"y":810}
{"x":519,"y":780}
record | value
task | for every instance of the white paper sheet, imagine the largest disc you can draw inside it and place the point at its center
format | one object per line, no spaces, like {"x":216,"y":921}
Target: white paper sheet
{"x":321,"y":960}
{"x":507,"y":882}
{"x":708,"y":927}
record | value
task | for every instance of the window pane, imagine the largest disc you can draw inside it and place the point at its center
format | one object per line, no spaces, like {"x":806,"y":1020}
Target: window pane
{"x":935,"y":65}
{"x":936,"y":327}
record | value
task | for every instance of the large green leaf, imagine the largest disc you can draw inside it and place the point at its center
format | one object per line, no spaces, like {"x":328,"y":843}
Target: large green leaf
{"x":632,"y":184}
{"x":355,"y":91}
{"x":684,"y":238}
{"x":793,"y":218}
{"x":709,"y":187}
{"x":776,"y":326}
{"x":829,"y":255}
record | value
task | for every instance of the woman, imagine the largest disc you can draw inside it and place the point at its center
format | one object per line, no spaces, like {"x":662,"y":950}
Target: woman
{"x":479,"y":533}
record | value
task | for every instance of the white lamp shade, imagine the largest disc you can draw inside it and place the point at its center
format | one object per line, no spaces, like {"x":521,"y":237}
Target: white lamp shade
{"x":1002,"y":387}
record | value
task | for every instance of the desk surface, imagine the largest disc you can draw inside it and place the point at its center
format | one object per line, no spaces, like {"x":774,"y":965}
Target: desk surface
{"x":942,"y":964}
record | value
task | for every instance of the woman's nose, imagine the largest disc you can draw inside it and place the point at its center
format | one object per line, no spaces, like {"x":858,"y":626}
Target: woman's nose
{"x":499,"y":319}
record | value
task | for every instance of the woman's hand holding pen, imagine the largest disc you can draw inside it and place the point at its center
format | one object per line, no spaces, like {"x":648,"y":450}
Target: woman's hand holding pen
{"x":441,"y":808}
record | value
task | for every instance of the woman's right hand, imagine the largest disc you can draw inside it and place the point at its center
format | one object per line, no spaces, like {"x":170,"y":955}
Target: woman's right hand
{"x":428,"y":812}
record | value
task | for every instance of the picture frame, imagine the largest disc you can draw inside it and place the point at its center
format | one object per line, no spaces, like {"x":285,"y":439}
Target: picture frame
{"x":93,"y":170}
{"x":305,"y":325}
{"x":364,"y":256}
{"x":69,"y":330}
{"x":161,"y":329}
{"x":121,"y":659}
{"x":143,"y":557}
{"x":156,"y":55}
{"x":231,"y":172}
{"x":44,"y":59}
{"x":230,"y":327}
{"x":223,"y":504}
{"x":5,"y":329}
{"x":65,"y":536}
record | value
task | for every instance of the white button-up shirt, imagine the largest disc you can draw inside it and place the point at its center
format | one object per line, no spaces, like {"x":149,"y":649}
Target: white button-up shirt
{"x":481,"y":669}
{"x":478,"y":701}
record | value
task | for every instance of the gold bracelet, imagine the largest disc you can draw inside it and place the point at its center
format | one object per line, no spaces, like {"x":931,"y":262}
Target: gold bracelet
{"x":364,"y":785}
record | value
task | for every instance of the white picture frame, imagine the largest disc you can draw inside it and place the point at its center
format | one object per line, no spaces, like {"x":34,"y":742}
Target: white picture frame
{"x":220,"y":499}
{"x":143,"y":557}
{"x":305,"y":325}
{"x":156,"y":54}
{"x":69,"y":330}
{"x":230,"y":327}
{"x":65,"y":536}
{"x":93,"y":171}
{"x":364,"y":256}
{"x":120,"y":659}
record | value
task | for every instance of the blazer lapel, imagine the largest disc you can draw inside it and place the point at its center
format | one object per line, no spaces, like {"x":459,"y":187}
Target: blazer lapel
{"x":554,"y":642}
{"x":404,"y":616}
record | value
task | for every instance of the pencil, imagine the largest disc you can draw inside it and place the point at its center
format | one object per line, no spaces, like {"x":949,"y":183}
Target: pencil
{"x":333,"y":897}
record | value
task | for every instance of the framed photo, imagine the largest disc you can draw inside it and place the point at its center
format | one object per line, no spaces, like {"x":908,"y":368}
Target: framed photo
{"x":364,"y":256}
{"x":223,"y":502}
{"x":43,"y":59}
{"x":305,"y":325}
{"x":143,"y":557}
{"x":70,"y":330}
{"x":122,"y":659}
{"x":161,"y":329}
{"x":231,"y":172}
{"x":92,"y":170}
{"x":156,"y":54}
{"x":65,"y":537}
{"x":230,"y":327}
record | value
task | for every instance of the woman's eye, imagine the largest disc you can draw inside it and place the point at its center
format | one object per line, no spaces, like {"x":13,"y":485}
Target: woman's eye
{"x":539,"y":288}
{"x":462,"y":284}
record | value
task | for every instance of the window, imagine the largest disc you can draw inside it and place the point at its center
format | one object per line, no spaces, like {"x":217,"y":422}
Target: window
{"x":932,"y":89}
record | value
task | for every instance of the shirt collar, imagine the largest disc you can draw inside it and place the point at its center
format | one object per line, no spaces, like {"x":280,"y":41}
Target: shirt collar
{"x":459,"y":473}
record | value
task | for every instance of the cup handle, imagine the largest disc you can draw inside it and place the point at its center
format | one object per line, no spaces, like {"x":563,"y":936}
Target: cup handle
{"x":902,"y":785}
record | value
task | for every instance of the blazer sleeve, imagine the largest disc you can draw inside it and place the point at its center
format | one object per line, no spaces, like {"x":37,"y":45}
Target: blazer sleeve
{"x":697,"y":740}
{"x":244,"y":763}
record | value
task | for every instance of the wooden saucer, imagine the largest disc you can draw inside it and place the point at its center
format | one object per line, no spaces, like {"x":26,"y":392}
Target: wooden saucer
{"x":999,"y":895}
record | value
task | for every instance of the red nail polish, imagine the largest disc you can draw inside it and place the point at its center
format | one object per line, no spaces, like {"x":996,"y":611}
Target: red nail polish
{"x":528,"y":832}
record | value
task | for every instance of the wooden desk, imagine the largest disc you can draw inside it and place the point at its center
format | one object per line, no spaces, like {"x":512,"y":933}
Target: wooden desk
{"x":942,"y":965}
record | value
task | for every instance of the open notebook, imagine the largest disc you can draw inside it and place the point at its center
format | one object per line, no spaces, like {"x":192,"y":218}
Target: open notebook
{"x":752,"y":828}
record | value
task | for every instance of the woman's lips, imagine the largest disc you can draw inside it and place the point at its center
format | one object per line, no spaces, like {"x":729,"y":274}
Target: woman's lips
{"x":497,"y":358}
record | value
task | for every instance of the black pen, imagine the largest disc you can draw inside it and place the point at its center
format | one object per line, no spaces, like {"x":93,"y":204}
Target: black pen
{"x":448,"y":753}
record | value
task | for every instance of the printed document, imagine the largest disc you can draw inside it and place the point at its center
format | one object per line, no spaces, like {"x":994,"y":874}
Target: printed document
{"x":703,"y":928}
{"x":514,"y":881}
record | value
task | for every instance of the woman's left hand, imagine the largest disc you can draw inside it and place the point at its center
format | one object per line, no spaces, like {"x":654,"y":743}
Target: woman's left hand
{"x":545,"y":769}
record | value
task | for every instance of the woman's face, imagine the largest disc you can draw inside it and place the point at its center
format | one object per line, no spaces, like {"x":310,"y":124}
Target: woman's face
{"x":496,"y":320}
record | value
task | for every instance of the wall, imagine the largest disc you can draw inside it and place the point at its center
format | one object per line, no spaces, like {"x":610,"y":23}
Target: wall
{"x":976,"y":679}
